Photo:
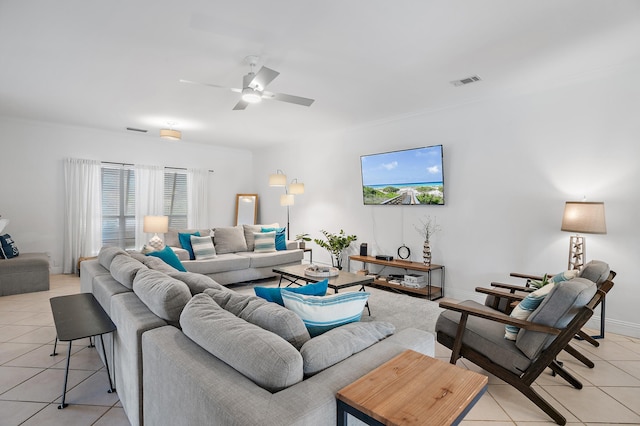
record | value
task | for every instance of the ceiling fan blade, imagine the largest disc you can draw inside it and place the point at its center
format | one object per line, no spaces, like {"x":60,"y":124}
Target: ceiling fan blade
{"x":263,"y":77}
{"x":233,"y":89}
{"x":298,"y":100}
{"x":240,"y":105}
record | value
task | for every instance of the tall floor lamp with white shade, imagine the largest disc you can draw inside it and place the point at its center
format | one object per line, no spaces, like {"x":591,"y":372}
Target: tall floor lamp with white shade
{"x":279,"y":179}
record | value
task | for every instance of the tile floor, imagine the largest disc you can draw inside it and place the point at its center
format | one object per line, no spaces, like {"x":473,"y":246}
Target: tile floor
{"x":31,"y":380}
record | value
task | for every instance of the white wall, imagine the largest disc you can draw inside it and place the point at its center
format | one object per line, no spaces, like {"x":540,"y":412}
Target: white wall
{"x":32,"y":187}
{"x":510,"y":164}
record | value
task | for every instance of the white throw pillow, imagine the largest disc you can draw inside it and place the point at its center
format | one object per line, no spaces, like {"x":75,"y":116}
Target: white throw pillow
{"x":203,"y":247}
{"x":265,"y":242}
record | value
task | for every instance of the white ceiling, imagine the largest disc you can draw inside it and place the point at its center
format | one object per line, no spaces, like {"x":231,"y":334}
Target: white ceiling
{"x":114,"y":64}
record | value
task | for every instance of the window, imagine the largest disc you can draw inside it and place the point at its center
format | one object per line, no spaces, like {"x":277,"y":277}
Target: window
{"x":175,"y":199}
{"x":119,"y":204}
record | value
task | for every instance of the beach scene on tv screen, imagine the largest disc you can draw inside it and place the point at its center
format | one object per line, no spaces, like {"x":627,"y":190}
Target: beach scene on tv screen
{"x":408,"y":177}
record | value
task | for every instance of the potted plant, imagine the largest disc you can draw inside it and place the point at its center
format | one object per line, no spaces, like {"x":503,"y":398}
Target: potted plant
{"x":335,"y":244}
{"x":301,"y":239}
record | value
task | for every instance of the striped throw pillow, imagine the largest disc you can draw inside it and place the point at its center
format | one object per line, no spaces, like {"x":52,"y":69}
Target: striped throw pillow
{"x":203,"y":247}
{"x":265,"y":242}
{"x":525,"y":308}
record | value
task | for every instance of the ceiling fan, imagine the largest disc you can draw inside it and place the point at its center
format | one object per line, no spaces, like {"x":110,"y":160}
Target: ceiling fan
{"x":253,"y":87}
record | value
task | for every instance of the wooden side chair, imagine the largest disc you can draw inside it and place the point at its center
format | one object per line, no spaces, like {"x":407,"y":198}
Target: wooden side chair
{"x":476,"y":332}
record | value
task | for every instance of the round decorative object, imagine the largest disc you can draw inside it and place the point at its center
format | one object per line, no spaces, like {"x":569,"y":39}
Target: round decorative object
{"x":404,"y":252}
{"x":321,"y":272}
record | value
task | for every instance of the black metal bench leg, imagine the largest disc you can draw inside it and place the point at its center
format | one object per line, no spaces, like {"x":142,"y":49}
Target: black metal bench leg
{"x":66,"y":377}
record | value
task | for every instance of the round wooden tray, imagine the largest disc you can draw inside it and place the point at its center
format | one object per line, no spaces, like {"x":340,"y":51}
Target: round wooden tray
{"x":332,"y":272}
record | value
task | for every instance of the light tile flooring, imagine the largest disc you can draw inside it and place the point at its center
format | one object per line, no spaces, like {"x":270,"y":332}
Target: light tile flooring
{"x":31,"y":380}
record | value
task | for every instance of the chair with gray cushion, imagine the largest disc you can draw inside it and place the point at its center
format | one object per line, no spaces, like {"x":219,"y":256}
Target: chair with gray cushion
{"x":477,"y":332}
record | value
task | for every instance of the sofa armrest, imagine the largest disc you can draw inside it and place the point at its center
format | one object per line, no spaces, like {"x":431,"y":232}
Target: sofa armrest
{"x":292,"y":245}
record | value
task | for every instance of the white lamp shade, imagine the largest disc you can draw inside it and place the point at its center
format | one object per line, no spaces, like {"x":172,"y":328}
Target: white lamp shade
{"x":296,"y":188}
{"x":286,"y":200}
{"x":278,"y":179}
{"x":584,"y":217}
{"x":156,"y":224}
{"x":3,"y":223}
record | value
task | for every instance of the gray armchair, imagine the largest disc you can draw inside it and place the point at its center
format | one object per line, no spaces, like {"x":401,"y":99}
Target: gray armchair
{"x":476,"y":332}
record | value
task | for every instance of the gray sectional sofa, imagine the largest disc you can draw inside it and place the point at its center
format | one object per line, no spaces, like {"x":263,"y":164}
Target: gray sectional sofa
{"x":236,"y":260}
{"x":189,"y":351}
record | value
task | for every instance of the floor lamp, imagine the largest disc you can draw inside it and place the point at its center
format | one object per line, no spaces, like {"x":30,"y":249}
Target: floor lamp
{"x":287,"y":199}
{"x":587,"y":218}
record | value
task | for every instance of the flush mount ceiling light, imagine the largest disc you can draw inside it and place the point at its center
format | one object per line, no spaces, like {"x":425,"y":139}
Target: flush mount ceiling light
{"x":251,"y":95}
{"x":170,"y":133}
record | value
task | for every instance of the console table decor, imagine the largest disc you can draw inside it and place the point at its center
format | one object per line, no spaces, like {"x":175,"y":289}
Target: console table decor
{"x":411,"y":389}
{"x":78,"y":316}
{"x":430,"y":291}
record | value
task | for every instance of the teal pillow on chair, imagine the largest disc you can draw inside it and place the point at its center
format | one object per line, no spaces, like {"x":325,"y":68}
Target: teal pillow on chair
{"x":169,"y":257}
{"x":273,"y":294}
{"x":185,"y":243}
{"x":281,"y":238}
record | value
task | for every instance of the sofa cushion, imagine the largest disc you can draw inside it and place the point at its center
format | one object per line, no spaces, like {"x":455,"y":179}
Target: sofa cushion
{"x":185,"y":242}
{"x":262,"y":356}
{"x":264,"y":242}
{"x":181,"y":253}
{"x":106,"y":255}
{"x":169,"y":257}
{"x":281,"y":237}
{"x":249,"y":231}
{"x":322,"y":313}
{"x":274,"y":258}
{"x":229,"y":239}
{"x":273,"y":294}
{"x":157,"y":264}
{"x":222,"y":263}
{"x":340,"y":343}
{"x":203,"y":247}
{"x":163,"y":295}
{"x":556,"y":310}
{"x":266,"y":315}
{"x":197,"y":283}
{"x":171,"y":237}
{"x":124,"y":269}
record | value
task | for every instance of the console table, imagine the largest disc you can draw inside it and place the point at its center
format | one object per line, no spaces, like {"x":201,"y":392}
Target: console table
{"x":411,"y":389}
{"x":430,"y":292}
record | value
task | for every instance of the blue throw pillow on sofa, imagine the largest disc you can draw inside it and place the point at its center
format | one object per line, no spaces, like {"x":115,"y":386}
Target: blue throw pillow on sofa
{"x":281,"y":238}
{"x":185,"y":243}
{"x":169,"y":257}
{"x":273,"y":294}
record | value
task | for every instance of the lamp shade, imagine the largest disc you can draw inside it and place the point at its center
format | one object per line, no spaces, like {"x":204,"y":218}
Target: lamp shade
{"x":584,"y":217}
{"x":296,"y":187}
{"x":278,"y":179}
{"x":286,"y":200}
{"x":156,"y":224}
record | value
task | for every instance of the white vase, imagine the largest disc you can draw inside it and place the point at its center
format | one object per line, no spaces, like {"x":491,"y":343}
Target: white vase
{"x":426,"y":254}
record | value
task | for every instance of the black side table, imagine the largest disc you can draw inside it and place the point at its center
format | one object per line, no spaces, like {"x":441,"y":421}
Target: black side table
{"x":76,"y":317}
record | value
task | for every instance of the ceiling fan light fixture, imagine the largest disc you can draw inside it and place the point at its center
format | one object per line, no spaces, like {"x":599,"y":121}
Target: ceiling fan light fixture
{"x":250,"y":95}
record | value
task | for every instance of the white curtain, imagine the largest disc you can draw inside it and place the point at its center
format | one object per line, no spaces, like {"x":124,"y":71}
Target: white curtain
{"x":197,"y":198}
{"x":149,"y":198}
{"x":82,"y":212}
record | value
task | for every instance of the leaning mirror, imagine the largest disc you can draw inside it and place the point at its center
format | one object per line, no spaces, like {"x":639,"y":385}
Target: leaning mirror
{"x":246,"y":209}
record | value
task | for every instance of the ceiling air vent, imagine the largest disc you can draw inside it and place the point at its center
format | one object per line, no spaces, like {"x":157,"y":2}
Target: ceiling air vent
{"x":465,"y":81}
{"x":133,"y":129}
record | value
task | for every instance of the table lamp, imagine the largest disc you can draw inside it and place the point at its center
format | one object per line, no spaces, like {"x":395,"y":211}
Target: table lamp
{"x":582,"y":217}
{"x":3,"y":223}
{"x":155,"y":225}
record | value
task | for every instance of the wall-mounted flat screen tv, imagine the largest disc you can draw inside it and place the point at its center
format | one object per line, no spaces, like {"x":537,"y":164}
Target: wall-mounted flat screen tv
{"x":407,"y":177}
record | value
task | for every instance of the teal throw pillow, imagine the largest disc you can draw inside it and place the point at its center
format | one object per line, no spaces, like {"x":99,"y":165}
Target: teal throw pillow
{"x":185,"y":243}
{"x":169,"y":257}
{"x":323,"y":313}
{"x":273,"y":294}
{"x":281,"y":238}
